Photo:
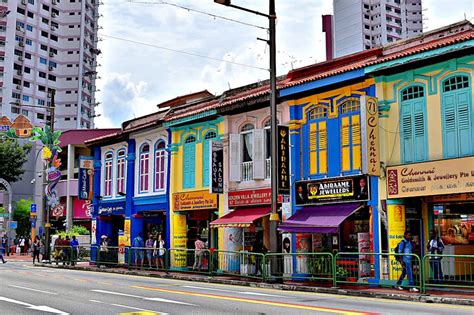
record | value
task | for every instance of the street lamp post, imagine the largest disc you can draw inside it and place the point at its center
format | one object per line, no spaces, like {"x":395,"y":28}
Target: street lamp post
{"x":273,"y":101}
{"x":46,"y":209}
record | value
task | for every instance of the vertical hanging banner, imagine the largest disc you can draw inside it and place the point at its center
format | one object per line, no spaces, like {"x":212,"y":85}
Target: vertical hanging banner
{"x":86,"y":173}
{"x":396,"y":229}
{"x":283,"y":160}
{"x":217,"y":167}
{"x":369,"y":110}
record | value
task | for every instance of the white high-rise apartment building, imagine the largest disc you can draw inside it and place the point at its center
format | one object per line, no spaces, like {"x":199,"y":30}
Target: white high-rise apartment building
{"x":44,"y":45}
{"x":363,"y":24}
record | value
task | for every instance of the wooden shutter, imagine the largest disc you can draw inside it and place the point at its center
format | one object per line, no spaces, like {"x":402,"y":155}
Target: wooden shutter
{"x":345,"y":144}
{"x":407,"y":132}
{"x":356,"y":142}
{"x":189,"y":171}
{"x":313,"y":161}
{"x":450,"y":126}
{"x":205,"y":163}
{"x":464,"y":118}
{"x":323,"y":147}
{"x":235,"y":171}
{"x":258,"y":155}
{"x":419,"y":131}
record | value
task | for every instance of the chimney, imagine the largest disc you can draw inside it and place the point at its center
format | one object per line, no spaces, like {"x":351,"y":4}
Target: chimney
{"x":327,"y":28}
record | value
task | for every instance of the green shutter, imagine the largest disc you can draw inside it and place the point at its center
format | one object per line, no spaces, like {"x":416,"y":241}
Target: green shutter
{"x":205,"y":163}
{"x":464,"y":117}
{"x":450,"y":126}
{"x":419,"y":130}
{"x":406,"y":139}
{"x":189,"y":165}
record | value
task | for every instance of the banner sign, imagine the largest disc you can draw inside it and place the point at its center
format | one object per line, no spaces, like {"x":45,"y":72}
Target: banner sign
{"x":283,"y":160}
{"x":370,"y":135}
{"x":93,"y":232}
{"x":396,"y":229}
{"x":338,"y":189}
{"x":112,"y":208}
{"x":443,"y":177}
{"x":250,"y":197}
{"x":194,"y":200}
{"x":217,"y":168}
{"x":86,"y":174}
{"x":178,"y":257}
{"x":82,"y":209}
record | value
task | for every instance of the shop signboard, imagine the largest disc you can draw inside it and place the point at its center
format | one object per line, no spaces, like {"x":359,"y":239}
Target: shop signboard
{"x":178,"y":257}
{"x":121,"y":249}
{"x":331,"y":190}
{"x":194,"y":200}
{"x":217,"y":168}
{"x":82,"y":209}
{"x":126,"y":232}
{"x":86,"y":173}
{"x":252,"y":197}
{"x":112,"y":208}
{"x":396,"y":229}
{"x":370,"y":135}
{"x":283,"y":160}
{"x":453,"y":176}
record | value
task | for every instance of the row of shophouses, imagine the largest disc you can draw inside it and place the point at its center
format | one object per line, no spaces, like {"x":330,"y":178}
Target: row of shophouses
{"x":153,"y":175}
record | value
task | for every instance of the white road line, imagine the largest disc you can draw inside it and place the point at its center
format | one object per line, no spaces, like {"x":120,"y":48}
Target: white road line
{"x":2,"y":298}
{"x":30,"y":289}
{"x":143,"y":297}
{"x":42,"y":308}
{"x":237,"y":292}
{"x":138,"y":309}
{"x":95,"y":301}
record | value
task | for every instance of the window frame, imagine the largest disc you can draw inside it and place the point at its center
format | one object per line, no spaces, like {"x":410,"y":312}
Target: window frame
{"x":121,"y":168}
{"x":108,"y":174}
{"x":160,"y":158}
{"x":144,"y":177}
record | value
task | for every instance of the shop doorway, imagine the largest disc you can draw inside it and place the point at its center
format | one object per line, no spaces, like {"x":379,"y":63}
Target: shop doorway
{"x":415,"y":226}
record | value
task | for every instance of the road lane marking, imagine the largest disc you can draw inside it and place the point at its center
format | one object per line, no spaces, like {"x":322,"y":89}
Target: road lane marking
{"x":42,"y":308}
{"x":254,"y":301}
{"x":142,"y":311}
{"x":231,"y":291}
{"x":31,"y":289}
{"x":155,"y":299}
{"x":95,"y":301}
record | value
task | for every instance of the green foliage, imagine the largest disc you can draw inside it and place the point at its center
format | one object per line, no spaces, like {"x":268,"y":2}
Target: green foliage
{"x":21,"y":214}
{"x":47,"y":137}
{"x":79,"y":230}
{"x":3,"y":210}
{"x":12,"y":157}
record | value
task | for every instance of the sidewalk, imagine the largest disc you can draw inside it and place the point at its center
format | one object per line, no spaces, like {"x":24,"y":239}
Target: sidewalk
{"x":18,"y":257}
{"x":462,"y":297}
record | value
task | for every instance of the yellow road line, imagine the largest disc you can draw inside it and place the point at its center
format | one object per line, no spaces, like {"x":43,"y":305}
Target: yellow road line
{"x":253,"y":301}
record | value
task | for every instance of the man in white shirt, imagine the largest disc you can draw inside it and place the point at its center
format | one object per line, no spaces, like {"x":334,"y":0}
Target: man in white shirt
{"x":435,"y":247}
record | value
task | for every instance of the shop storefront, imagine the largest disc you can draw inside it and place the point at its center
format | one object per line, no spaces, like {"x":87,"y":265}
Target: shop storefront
{"x":436,"y":195}
{"x":110,"y":221}
{"x":82,"y":213}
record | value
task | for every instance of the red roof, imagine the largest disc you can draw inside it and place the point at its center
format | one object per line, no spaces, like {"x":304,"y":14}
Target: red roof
{"x":188,"y":98}
{"x":80,"y":136}
{"x":241,"y":217}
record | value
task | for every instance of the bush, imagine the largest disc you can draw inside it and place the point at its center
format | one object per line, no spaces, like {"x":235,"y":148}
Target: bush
{"x":79,"y":230}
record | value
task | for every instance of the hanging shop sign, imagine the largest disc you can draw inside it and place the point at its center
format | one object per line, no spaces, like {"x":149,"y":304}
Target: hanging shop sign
{"x":86,"y":174}
{"x":370,"y":135}
{"x":283,"y":160}
{"x":194,"y":200}
{"x":443,"y":177}
{"x":338,"y":189}
{"x":217,"y":168}
{"x":250,"y":197}
{"x":126,"y":232}
{"x":116,"y":208}
{"x":82,"y":209}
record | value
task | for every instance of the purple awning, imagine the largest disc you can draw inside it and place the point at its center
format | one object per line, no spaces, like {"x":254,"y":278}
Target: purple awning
{"x":320,"y":219}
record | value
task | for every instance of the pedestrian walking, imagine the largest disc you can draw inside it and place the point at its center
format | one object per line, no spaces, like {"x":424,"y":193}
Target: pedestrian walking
{"x":2,"y":251}
{"x":74,"y":250}
{"x":159,"y":251}
{"x":436,"y":247}
{"x":198,"y":253}
{"x":103,"y":251}
{"x":36,"y":249}
{"x":259,"y":248}
{"x":149,"y":249}
{"x":66,"y":250}
{"x":5,"y":245}
{"x":21,"y":243}
{"x":58,"y":250}
{"x":138,"y":245}
{"x":406,"y":247}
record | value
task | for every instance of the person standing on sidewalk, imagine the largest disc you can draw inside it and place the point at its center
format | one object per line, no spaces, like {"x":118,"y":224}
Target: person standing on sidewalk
{"x":406,"y":247}
{"x":58,"y":250}
{"x":2,"y":250}
{"x":138,"y":245}
{"x":159,"y":251}
{"x":149,"y":249}
{"x":36,"y":249}
{"x":74,"y":250}
{"x":198,"y":253}
{"x":436,"y":247}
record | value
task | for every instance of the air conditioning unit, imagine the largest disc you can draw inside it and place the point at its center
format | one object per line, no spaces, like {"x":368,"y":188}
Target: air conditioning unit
{"x":51,"y":54}
{"x":54,"y":2}
{"x":18,"y":72}
{"x":18,"y":101}
{"x":50,"y":68}
{"x":21,"y":44}
{"x":20,"y":58}
{"x":53,"y":14}
{"x":23,"y":2}
{"x":18,"y":28}
{"x":18,"y":87}
{"x":53,"y":28}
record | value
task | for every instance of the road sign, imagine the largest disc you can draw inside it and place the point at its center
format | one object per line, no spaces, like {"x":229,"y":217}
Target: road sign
{"x":13,"y":224}
{"x":4,"y":215}
{"x":33,"y":208}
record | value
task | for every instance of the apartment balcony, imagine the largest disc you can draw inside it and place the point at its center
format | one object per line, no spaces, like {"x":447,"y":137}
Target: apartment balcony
{"x":247,"y":171}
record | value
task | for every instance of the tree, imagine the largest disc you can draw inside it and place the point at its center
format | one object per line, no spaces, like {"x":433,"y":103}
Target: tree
{"x":12,"y":157}
{"x":21,"y":214}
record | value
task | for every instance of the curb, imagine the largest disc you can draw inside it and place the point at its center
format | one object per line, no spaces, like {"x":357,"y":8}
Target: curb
{"x":424,"y":298}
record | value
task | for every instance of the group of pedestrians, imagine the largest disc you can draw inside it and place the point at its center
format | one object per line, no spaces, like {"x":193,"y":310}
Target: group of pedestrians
{"x":66,"y":250}
{"x":154,"y":247}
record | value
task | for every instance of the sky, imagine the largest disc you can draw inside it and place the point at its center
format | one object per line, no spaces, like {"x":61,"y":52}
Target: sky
{"x":140,"y":65}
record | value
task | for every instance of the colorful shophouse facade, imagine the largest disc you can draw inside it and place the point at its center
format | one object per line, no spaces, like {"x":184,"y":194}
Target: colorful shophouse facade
{"x":131,"y":181}
{"x":427,"y":139}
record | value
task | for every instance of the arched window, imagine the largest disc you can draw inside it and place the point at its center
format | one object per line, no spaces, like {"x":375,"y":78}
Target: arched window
{"x":160,"y":165}
{"x":458,"y":125}
{"x":316,"y":137}
{"x":206,"y":157}
{"x":144,"y":173}
{"x":350,"y":134}
{"x":246,"y":133}
{"x":413,"y":142}
{"x":109,"y":159}
{"x":121,"y":171}
{"x":189,"y":162}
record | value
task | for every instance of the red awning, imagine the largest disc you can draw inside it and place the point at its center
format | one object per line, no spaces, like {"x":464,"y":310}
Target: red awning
{"x":241,"y":217}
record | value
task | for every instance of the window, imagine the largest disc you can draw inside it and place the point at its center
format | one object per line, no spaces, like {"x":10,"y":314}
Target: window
{"x":53,"y":37}
{"x":247,"y":151}
{"x":41,"y":88}
{"x":26,"y":84}
{"x":144,"y":172}
{"x":42,"y":61}
{"x":189,"y":162}
{"x":317,"y":140}
{"x":44,"y":47}
{"x":26,"y":98}
{"x":30,"y":15}
{"x":15,"y":110}
{"x":108,"y":175}
{"x":28,"y":56}
{"x":40,"y":116}
{"x":206,"y":157}
{"x":29,"y":42}
{"x":42,"y":74}
{"x":20,"y":24}
{"x":457,"y":117}
{"x":29,"y":28}
{"x":413,"y":126}
{"x":41,"y":102}
{"x":45,"y":7}
{"x":31,"y":1}
{"x":160,"y":165}
{"x":121,"y":171}
{"x":350,"y":135}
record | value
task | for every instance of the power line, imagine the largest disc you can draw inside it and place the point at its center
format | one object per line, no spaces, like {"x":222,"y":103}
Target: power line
{"x":200,"y":12}
{"x":183,"y":52}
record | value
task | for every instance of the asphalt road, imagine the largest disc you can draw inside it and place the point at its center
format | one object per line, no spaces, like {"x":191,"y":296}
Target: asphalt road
{"x":34,"y":290}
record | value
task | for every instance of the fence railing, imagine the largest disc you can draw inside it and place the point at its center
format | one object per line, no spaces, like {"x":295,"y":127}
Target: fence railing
{"x":247,"y":171}
{"x":344,"y":268}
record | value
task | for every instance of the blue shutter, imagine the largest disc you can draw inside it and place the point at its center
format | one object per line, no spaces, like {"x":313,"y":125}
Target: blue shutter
{"x":406,"y":139}
{"x":450,"y":126}
{"x":189,"y":165}
{"x":464,"y":119}
{"x":419,"y":130}
{"x":205,"y":163}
